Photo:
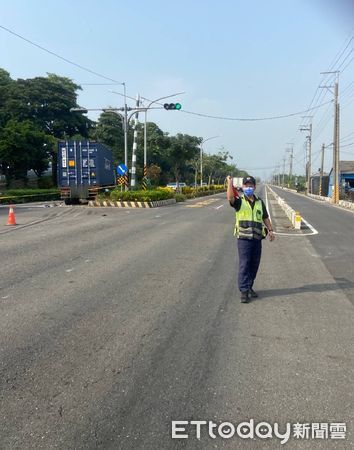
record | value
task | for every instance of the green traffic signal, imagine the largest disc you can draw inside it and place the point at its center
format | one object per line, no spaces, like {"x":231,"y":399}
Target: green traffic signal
{"x":169,"y":106}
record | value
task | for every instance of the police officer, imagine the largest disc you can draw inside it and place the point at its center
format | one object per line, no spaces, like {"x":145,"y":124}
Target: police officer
{"x":252,"y":225}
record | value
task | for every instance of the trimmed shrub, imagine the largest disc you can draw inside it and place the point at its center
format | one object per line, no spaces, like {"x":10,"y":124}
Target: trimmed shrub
{"x":45,"y":182}
{"x":180,"y":197}
{"x":141,"y":196}
{"x":28,"y":195}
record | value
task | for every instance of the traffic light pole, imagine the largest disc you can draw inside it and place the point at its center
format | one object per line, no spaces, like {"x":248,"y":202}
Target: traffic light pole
{"x":125,"y":135}
{"x":145,"y":125}
{"x":135,"y":145}
{"x":126,"y":119}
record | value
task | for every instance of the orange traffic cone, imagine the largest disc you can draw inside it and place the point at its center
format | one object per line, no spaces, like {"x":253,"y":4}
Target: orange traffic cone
{"x":11,"y":220}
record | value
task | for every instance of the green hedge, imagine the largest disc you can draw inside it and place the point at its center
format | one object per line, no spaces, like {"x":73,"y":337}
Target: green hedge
{"x":202,"y":191}
{"x":141,"y":196}
{"x":23,"y":191}
{"x":180,"y":197}
{"x":28,"y":195}
{"x":160,"y":194}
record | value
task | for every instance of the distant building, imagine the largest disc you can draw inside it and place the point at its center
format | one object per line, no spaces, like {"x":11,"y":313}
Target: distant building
{"x":346,"y":177}
{"x":315,"y":184}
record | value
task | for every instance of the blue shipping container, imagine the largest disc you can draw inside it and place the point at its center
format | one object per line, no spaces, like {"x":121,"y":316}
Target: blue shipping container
{"x":83,"y":165}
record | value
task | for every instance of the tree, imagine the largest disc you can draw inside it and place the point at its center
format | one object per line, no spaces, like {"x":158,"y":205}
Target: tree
{"x":182,"y":148}
{"x":46,"y":102}
{"x":156,"y":144}
{"x":109,"y":130}
{"x":5,"y":83}
{"x":215,"y":166}
{"x":23,"y":146}
{"x":153,"y":173}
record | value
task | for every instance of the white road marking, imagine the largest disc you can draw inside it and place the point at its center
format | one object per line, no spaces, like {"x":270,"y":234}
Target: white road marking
{"x":218,"y":207}
{"x":313,"y":229}
{"x":267,"y":204}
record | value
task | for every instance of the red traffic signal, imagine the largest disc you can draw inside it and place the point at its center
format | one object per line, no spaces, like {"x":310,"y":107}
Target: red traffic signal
{"x":176,"y":106}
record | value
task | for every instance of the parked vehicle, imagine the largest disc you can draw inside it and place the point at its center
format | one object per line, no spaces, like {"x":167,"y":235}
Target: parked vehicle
{"x":84,"y":169}
{"x":174,"y":186}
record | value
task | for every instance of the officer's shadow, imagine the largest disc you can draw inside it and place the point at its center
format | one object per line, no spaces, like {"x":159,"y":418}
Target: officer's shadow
{"x":341,"y":284}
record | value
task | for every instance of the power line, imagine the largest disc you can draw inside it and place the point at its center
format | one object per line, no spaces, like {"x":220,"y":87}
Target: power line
{"x":347,"y":145}
{"x":242,"y":119}
{"x":253,"y":119}
{"x":350,"y":61}
{"x":319,"y":93}
{"x":117,"y":82}
{"x":86,"y":69}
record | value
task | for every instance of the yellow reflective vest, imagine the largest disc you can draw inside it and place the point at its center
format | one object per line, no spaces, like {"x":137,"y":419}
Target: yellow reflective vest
{"x":249,"y":222}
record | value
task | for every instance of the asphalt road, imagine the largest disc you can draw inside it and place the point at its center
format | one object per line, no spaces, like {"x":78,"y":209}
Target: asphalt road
{"x":115,"y":322}
{"x":334,"y":242}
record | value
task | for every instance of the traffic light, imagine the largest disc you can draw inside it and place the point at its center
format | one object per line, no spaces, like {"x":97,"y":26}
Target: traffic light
{"x":176,"y":106}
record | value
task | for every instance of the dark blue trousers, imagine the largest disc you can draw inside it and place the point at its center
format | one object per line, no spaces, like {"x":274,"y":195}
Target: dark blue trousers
{"x":249,"y":253}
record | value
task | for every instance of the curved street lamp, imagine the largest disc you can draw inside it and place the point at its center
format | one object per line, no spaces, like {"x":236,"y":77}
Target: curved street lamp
{"x":201,"y":156}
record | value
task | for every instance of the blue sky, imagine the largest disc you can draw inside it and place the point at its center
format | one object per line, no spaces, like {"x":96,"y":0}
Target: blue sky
{"x":232,"y":58}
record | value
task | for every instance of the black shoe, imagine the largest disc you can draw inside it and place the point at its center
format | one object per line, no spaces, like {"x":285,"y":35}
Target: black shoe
{"x":244,"y":297}
{"x":252,"y":293}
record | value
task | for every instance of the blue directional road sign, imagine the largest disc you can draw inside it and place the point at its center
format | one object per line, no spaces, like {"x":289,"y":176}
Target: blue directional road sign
{"x":122,"y":169}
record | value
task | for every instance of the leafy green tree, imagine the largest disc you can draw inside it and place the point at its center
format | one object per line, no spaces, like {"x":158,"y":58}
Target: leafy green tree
{"x":23,"y":146}
{"x":156,"y":144}
{"x":46,"y":102}
{"x":109,"y":130}
{"x":5,"y":85}
{"x":182,"y":148}
{"x":153,"y":173}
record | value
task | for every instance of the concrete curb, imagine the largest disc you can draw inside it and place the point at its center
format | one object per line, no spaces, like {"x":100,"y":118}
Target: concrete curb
{"x":321,"y":198}
{"x":345,"y":204}
{"x":294,"y":216}
{"x":342,"y":203}
{"x":131,"y":204}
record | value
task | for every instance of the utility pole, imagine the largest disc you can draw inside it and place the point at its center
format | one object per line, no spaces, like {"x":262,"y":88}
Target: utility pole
{"x":321,"y":171}
{"x":336,"y":148}
{"x":291,"y":150}
{"x":335,"y":169}
{"x":308,"y":148}
{"x":284,"y":159}
{"x":135,"y":145}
